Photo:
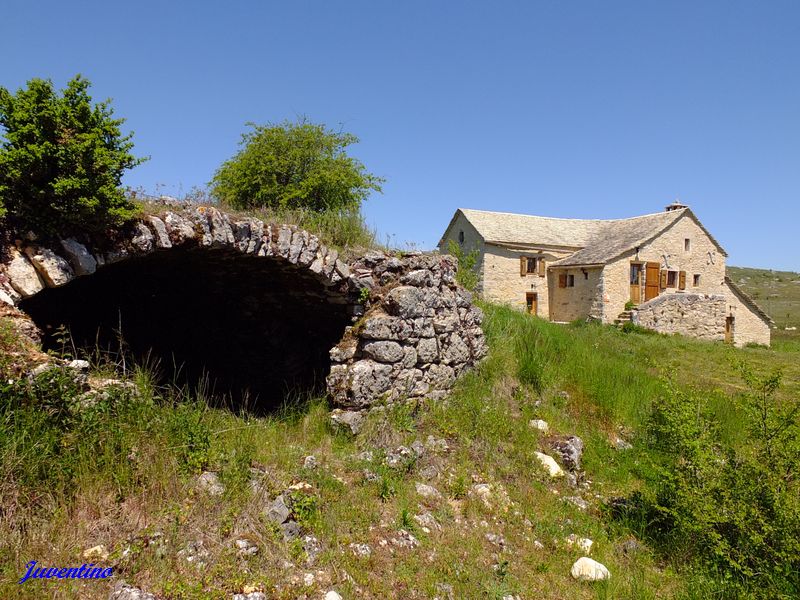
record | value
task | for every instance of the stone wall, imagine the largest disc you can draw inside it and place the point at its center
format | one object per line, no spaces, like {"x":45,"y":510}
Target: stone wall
{"x":748,"y":326}
{"x":581,"y":300}
{"x":700,"y":316}
{"x":420,"y":332}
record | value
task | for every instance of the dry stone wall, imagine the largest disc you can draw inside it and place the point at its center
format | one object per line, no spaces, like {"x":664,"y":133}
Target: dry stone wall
{"x":420,"y":330}
{"x":698,"y":315}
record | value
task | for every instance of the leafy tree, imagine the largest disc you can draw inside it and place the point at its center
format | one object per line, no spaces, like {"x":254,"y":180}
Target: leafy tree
{"x":62,"y":159}
{"x":299,"y":165}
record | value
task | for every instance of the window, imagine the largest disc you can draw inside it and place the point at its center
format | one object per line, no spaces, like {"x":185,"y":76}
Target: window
{"x":570,"y":280}
{"x":636,"y":274}
{"x":460,"y":237}
{"x":696,"y":280}
{"x":586,"y":274}
{"x":531,"y":265}
{"x":687,"y":244}
{"x":672,"y":279}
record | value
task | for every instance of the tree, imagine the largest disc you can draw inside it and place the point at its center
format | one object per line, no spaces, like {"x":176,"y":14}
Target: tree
{"x":62,"y":160}
{"x":294,"y":165}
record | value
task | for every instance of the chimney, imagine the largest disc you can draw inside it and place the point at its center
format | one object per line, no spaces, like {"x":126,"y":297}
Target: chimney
{"x":677,"y":205}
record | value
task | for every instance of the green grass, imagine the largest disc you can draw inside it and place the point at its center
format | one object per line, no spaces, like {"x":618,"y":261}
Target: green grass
{"x":120,"y":472}
{"x":778,"y":293}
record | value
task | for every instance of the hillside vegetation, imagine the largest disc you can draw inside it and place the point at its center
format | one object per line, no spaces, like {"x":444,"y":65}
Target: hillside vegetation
{"x":442,"y":500}
{"x":777,"y":292}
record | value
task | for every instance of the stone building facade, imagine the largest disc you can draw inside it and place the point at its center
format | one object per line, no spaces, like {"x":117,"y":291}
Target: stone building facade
{"x":568,"y":269}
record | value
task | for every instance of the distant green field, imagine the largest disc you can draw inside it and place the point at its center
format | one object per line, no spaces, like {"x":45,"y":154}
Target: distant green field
{"x":777,"y":292}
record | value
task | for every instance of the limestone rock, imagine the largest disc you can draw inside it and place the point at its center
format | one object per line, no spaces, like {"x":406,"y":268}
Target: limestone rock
{"x":160,"y":232}
{"x":539,"y":424}
{"x":143,"y":239}
{"x":586,"y":569}
{"x":22,"y":275}
{"x":406,"y":302}
{"x":83,"y":263}
{"x":310,"y":462}
{"x":123,"y":591}
{"x":332,"y":595}
{"x":428,"y":491}
{"x":179,"y":229}
{"x":585,"y":544}
{"x":384,"y":351}
{"x":99,"y":553}
{"x":55,"y":271}
{"x":348,"y":420}
{"x":209,"y":482}
{"x":278,"y":511}
{"x":361,"y":550}
{"x":550,"y":465}
{"x":570,"y":450}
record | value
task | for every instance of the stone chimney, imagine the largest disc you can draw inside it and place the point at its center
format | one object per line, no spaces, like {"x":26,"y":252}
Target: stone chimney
{"x":677,"y":205}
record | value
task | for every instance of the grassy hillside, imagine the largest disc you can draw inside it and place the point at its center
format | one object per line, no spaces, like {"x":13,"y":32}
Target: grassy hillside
{"x":777,"y":292}
{"x":123,"y":473}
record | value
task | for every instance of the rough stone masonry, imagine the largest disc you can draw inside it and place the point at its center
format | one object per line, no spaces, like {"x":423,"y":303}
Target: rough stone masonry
{"x":414,"y":331}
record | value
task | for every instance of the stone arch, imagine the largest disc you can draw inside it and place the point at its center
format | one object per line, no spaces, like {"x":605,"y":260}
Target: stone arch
{"x":262,"y":309}
{"x":249,"y":308}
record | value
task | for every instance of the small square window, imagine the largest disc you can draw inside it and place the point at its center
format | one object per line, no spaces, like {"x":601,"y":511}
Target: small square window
{"x":696,"y":280}
{"x":687,"y":244}
{"x":672,"y":279}
{"x":530,"y":265}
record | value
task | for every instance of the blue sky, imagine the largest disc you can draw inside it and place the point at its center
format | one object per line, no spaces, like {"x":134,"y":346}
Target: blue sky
{"x":570,"y":109}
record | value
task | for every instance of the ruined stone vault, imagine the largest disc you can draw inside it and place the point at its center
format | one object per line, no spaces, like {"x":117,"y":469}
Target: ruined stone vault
{"x":251,"y":310}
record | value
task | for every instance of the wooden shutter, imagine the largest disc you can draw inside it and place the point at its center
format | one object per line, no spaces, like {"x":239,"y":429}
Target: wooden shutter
{"x":541,"y":267}
{"x":682,"y":280}
{"x":523,"y":266}
{"x":562,"y":280}
{"x":663,"y":280}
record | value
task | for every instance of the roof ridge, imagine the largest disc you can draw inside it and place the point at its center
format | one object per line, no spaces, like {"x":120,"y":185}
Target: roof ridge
{"x":498,"y":212}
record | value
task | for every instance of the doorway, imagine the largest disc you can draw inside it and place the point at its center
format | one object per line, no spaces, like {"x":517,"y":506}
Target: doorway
{"x":652,"y":280}
{"x":729,"y":323}
{"x":532,"y":303}
{"x":636,"y":283}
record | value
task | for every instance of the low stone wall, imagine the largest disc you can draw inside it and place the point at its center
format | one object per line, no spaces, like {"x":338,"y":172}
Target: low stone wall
{"x":420,"y":332}
{"x":700,"y":316}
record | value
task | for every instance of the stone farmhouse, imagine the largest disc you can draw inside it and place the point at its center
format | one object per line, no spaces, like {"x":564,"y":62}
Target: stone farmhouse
{"x":663,"y":271}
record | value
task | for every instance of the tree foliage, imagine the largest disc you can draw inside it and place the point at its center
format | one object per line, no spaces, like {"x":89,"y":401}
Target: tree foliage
{"x":294,"y":165}
{"x":62,"y":159}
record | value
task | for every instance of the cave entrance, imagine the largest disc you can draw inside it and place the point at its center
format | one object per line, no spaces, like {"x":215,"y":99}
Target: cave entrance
{"x":256,"y":329}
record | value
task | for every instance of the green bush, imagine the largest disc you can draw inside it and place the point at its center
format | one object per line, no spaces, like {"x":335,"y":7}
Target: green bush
{"x":731,"y":508}
{"x":62,"y":159}
{"x":294,"y":165}
{"x":467,"y":274}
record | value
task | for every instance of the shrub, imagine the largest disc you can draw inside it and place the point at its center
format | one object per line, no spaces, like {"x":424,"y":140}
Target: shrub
{"x":467,"y":275}
{"x":62,"y":160}
{"x":733,"y":509}
{"x":294,"y":165}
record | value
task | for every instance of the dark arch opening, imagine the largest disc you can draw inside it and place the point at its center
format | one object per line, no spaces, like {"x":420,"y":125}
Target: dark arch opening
{"x":256,"y":329}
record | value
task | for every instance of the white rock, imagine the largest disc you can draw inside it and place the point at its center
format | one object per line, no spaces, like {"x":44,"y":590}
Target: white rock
{"x":96,"y":552}
{"x":332,"y":596}
{"x":540,"y":425}
{"x":549,"y":463}
{"x":310,"y":462}
{"x":209,"y":482}
{"x":22,"y":275}
{"x":586,"y":569}
{"x":585,"y":544}
{"x":428,"y":491}
{"x":54,"y":270}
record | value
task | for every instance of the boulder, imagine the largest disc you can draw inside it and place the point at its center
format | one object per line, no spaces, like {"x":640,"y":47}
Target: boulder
{"x":586,"y":569}
{"x":550,"y":465}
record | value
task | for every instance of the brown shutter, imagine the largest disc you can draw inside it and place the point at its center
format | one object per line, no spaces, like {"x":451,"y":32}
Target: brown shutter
{"x":541,"y":267}
{"x":663,"y":280}
{"x":562,"y":280}
{"x":523,"y":266}
{"x":682,"y":280}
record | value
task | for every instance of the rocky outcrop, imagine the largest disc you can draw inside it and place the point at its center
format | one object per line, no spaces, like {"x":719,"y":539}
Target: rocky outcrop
{"x":415,"y":329}
{"x":420,"y":332}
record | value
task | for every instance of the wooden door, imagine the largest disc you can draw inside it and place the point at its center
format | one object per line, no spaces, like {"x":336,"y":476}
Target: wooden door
{"x":636,"y":283}
{"x":729,"y":330}
{"x":651,"y":280}
{"x":532,"y":303}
